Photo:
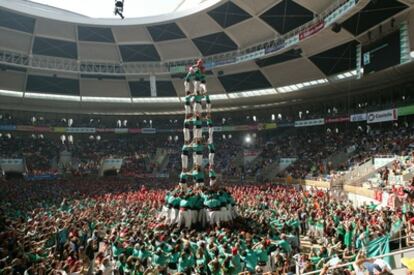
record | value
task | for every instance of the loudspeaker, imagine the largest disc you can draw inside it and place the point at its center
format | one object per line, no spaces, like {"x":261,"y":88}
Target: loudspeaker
{"x":336,"y":27}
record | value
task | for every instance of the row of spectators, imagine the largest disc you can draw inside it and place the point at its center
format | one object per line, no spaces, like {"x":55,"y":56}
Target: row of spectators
{"x":110,"y":226}
{"x":312,"y":149}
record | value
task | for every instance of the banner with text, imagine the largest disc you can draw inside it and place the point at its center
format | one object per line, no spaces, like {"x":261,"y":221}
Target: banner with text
{"x":309,"y":122}
{"x":382,"y":116}
{"x":358,"y":117}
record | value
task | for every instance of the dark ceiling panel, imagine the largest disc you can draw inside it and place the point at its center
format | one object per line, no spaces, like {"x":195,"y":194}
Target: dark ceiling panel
{"x":55,"y":47}
{"x":140,"y":52}
{"x":165,"y":32}
{"x":286,"y":56}
{"x":252,"y":80}
{"x":214,"y":43}
{"x":228,"y":14}
{"x":140,"y":88}
{"x":336,"y":60}
{"x":372,"y":14}
{"x":95,"y":34}
{"x":52,"y":85}
{"x":165,"y":89}
{"x":287,"y":16}
{"x":12,"y":68}
{"x":16,"y":21}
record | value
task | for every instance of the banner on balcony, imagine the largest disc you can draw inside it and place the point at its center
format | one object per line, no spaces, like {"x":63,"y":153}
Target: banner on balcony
{"x":382,"y":116}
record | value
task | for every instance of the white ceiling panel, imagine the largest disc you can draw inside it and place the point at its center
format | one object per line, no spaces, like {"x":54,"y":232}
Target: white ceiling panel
{"x":15,"y":41}
{"x":325,"y":40}
{"x":177,"y":49}
{"x":256,"y":7}
{"x":131,"y":34}
{"x":55,"y":29}
{"x":13,"y":81}
{"x":315,"y":6}
{"x":292,"y":72}
{"x":251,"y":32}
{"x":200,"y":25}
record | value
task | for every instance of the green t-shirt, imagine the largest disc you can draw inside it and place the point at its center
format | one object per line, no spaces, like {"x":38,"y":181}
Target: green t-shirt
{"x":251,"y":260}
{"x":185,"y":262}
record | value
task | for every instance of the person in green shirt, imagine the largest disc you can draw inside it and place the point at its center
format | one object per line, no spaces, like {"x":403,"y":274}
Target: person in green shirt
{"x":188,"y":104}
{"x":197,"y":105}
{"x":186,"y":261}
{"x":121,"y":264}
{"x":198,"y":175}
{"x":184,"y":214}
{"x":250,"y":258}
{"x":159,"y":259}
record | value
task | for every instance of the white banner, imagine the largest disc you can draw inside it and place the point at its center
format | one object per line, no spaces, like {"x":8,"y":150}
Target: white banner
{"x":80,"y":130}
{"x":309,"y":122}
{"x":358,"y":117}
{"x":381,"y":116}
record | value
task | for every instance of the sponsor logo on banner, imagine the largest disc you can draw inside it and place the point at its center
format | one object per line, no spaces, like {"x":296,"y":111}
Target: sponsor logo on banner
{"x":105,"y":130}
{"x":278,"y":45}
{"x":148,"y":131}
{"x":336,"y":119}
{"x":7,"y":127}
{"x":312,"y":30}
{"x":121,"y":131}
{"x":381,"y":116}
{"x":28,"y":128}
{"x":250,"y":56}
{"x":358,"y":117}
{"x":134,"y":130}
{"x":309,"y":122}
{"x":80,"y":130}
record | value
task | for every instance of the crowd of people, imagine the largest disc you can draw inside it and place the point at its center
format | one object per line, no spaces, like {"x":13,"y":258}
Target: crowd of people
{"x":114,"y":226}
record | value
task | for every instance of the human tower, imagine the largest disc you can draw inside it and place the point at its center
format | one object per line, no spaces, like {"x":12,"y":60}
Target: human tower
{"x":197,"y":205}
{"x":196,"y":116}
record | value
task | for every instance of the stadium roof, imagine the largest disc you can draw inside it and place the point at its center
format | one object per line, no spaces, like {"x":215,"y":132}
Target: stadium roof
{"x":60,"y":59}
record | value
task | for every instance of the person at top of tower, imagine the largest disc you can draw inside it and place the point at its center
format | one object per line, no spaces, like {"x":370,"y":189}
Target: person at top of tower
{"x":196,"y":73}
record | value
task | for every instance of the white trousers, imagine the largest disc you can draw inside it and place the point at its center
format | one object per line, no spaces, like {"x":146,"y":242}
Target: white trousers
{"x":186,"y":133}
{"x":202,"y":218}
{"x":198,"y":109}
{"x":194,"y":216}
{"x":173,"y":215}
{"x":184,"y":218}
{"x":203,"y":88}
{"x":211,"y":158}
{"x":198,"y":159}
{"x":208,"y":107}
{"x":213,"y":217}
{"x":186,"y":86}
{"x":196,"y":87}
{"x":188,"y":110}
{"x":197,"y":132}
{"x":210,"y":134}
{"x":184,"y":161}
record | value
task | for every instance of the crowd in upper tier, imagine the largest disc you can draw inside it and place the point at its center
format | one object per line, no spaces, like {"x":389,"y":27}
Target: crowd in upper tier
{"x":314,"y":150}
{"x":114,"y":226}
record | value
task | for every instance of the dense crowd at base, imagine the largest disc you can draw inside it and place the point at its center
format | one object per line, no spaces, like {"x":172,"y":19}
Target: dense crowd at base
{"x":113,"y":226}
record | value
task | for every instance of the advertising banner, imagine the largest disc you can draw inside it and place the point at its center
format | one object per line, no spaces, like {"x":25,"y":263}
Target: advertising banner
{"x":309,"y":122}
{"x":80,"y":130}
{"x":402,"y":111}
{"x":278,"y":45}
{"x":105,"y":130}
{"x":148,"y":131}
{"x":134,"y":130}
{"x":336,"y":119}
{"x":358,"y":117}
{"x":121,"y":131}
{"x":59,"y":129}
{"x":251,"y":56}
{"x":382,"y":116}
{"x":7,"y":127}
{"x":312,"y":30}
